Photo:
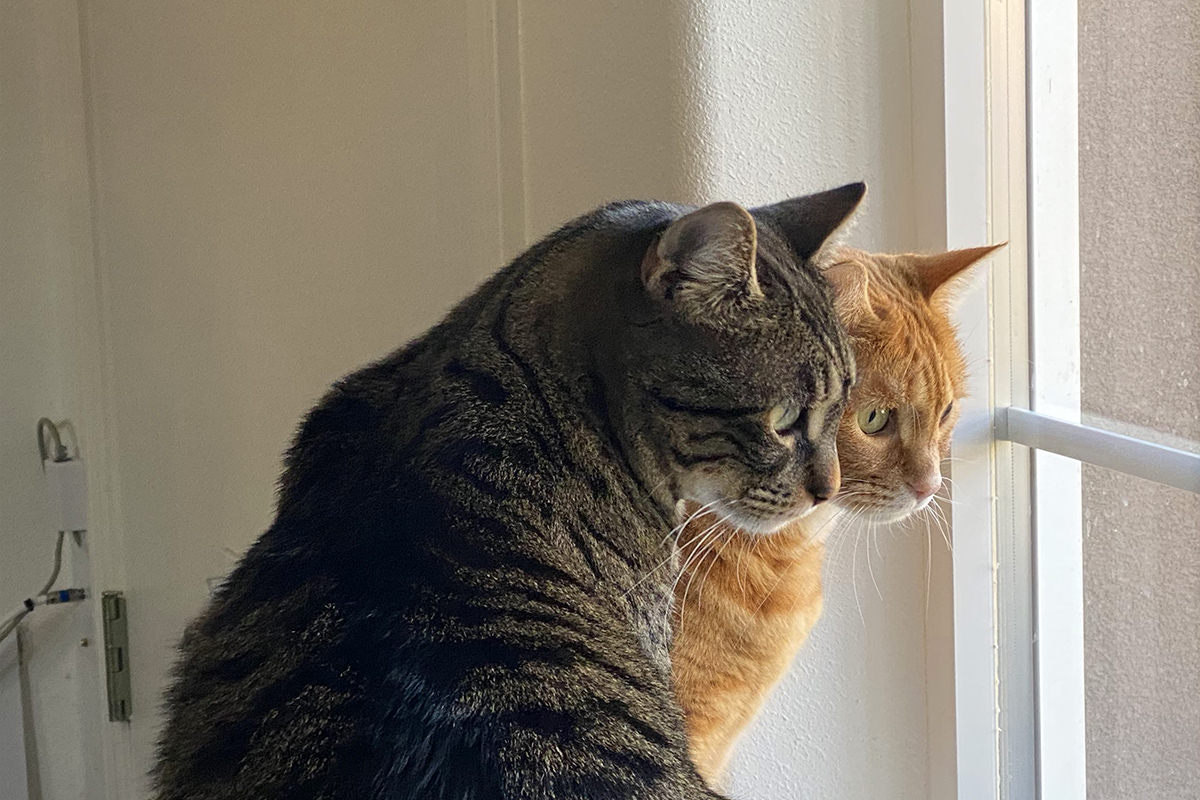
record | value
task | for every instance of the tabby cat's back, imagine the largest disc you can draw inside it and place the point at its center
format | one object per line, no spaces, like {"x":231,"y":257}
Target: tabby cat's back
{"x":459,"y":596}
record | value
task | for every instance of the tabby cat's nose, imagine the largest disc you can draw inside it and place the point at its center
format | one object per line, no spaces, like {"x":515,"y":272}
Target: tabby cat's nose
{"x":821,"y":489}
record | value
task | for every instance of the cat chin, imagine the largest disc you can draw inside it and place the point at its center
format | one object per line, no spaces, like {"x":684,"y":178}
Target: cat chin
{"x":889,"y":517}
{"x":759,"y":526}
{"x":886,"y":515}
{"x":883,"y":515}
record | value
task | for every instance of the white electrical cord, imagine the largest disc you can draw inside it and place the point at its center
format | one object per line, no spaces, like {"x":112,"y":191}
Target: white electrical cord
{"x":43,"y":597}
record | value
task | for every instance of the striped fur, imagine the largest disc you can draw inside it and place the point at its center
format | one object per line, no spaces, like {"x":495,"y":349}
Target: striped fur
{"x":463,"y":592}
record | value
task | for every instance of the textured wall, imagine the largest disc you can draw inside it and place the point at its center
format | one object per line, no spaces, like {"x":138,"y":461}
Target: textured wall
{"x":1139,"y":124}
{"x":804,"y":95}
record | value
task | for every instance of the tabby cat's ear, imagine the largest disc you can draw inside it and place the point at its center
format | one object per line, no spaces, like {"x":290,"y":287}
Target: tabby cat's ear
{"x":936,"y":273}
{"x":704,"y":258}
{"x":807,"y":222}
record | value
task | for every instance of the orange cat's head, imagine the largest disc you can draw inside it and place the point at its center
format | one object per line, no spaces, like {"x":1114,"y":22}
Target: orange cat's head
{"x":897,"y":426}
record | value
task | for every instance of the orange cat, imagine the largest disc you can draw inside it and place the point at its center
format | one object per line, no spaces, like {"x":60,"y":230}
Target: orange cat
{"x":744,"y":603}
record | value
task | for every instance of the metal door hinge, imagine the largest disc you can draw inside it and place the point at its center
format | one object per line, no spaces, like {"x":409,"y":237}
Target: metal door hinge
{"x":116,"y":656}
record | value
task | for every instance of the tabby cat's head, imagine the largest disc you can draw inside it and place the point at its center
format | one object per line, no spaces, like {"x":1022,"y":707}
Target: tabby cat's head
{"x":736,"y":370}
{"x":897,"y":427}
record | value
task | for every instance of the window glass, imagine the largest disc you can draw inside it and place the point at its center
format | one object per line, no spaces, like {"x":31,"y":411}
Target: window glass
{"x":1141,"y":573}
{"x":1139,"y":181}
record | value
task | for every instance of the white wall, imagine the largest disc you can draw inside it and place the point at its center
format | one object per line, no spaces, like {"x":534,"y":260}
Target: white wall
{"x":47,"y":367}
{"x":804,"y":96}
{"x":280,"y":195}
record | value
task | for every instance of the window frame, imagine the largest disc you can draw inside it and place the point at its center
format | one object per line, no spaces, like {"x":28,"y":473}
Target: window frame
{"x":995,"y":743}
{"x":1011,"y":173}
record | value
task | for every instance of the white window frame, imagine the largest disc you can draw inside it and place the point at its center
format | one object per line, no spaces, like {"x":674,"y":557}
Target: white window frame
{"x":992,"y":743}
{"x":1010,"y":114}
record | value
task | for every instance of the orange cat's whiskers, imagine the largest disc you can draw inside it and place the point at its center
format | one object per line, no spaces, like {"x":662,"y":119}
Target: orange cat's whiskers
{"x":697,"y":543}
{"x":696,"y":558}
{"x":933,"y":513}
{"x":946,"y":492}
{"x":838,"y":537}
{"x":678,"y":529}
{"x":842,"y":523}
{"x":928,"y":563}
{"x":871,"y":537}
{"x":854,"y":576}
{"x":936,"y":513}
{"x":845,"y":542}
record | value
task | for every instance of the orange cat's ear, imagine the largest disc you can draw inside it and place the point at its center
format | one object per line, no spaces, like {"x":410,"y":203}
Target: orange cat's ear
{"x":936,"y":273}
{"x":850,"y":282}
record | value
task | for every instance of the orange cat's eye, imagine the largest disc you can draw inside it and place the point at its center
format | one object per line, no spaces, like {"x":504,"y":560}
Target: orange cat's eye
{"x":873,"y":420}
{"x":946,"y":413}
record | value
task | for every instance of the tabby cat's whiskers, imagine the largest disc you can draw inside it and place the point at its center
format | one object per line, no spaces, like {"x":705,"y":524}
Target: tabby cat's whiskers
{"x":674,"y":533}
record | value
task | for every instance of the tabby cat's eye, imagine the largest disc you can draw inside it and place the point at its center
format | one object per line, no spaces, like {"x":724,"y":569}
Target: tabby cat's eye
{"x":784,"y":416}
{"x":946,"y":413}
{"x":873,"y":420}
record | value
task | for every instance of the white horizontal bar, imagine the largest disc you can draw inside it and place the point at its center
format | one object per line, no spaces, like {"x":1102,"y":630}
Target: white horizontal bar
{"x":1154,"y":462}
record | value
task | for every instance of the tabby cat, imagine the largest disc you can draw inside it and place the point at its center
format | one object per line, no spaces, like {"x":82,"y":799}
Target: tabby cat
{"x":459,"y":596}
{"x":746,"y":603}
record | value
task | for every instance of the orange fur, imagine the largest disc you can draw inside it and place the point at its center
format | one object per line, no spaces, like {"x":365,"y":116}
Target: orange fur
{"x":745,"y":603}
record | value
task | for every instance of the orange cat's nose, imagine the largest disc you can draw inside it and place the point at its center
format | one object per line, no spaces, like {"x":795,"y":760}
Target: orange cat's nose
{"x":926,"y":487}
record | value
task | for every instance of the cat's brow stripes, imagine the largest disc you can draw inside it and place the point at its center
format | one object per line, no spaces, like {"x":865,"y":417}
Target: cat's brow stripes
{"x":736,"y":445}
{"x":682,"y":406}
{"x":692,"y":459}
{"x":828,"y":406}
{"x":932,"y":385}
